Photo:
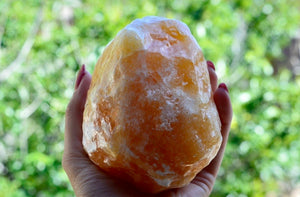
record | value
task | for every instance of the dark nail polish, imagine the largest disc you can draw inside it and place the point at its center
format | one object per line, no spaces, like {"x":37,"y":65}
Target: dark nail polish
{"x":223,"y":85}
{"x":80,"y":76}
{"x":210,"y":64}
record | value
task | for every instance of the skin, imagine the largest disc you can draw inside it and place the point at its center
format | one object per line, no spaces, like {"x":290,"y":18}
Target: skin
{"x":88,"y":180}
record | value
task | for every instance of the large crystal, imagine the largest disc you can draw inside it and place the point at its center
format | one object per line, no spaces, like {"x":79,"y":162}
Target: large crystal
{"x":150,"y":117}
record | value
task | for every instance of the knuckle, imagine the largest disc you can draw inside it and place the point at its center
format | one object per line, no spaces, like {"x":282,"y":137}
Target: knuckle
{"x":64,"y":162}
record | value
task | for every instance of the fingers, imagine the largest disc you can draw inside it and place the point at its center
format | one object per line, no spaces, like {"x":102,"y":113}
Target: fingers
{"x":223,"y":104}
{"x":207,"y":176}
{"x":212,"y":75}
{"x":74,"y":114}
{"x":224,"y":107}
{"x":80,"y":75}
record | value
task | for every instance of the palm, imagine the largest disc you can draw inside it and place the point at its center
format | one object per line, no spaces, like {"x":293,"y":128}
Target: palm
{"x":89,"y":180}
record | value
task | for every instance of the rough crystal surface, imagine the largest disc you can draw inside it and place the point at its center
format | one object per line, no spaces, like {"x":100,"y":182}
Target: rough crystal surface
{"x":150,"y":117}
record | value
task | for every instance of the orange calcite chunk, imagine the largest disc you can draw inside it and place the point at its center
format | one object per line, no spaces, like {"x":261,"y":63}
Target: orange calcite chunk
{"x":150,"y":117}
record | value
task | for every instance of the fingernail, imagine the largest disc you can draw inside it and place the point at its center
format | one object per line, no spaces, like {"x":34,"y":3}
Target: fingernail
{"x":210,"y":64}
{"x":80,"y":76}
{"x":223,"y":85}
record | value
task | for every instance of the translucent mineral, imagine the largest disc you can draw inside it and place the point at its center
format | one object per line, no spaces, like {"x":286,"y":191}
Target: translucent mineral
{"x":150,"y":118}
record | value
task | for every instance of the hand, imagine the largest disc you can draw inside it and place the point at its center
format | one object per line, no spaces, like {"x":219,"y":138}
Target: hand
{"x":88,"y":180}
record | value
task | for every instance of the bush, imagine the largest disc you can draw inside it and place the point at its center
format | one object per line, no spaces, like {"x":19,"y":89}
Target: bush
{"x":43,"y":44}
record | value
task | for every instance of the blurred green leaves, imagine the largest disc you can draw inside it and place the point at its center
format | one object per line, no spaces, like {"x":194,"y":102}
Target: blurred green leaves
{"x":43,"y":43}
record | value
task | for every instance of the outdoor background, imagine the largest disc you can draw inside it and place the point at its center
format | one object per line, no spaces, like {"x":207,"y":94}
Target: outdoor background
{"x":255,"y":46}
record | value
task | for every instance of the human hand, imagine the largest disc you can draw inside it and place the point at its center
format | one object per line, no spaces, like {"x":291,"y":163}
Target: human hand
{"x":88,"y":180}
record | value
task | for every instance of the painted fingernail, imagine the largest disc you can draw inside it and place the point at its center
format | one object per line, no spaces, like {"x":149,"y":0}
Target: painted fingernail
{"x":223,"y":85}
{"x":80,"y":76}
{"x":210,"y":64}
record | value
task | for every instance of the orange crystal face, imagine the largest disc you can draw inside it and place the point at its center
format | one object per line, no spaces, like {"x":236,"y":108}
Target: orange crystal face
{"x":150,"y":117}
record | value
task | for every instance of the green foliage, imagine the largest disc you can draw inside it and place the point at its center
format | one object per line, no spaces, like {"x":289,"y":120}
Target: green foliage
{"x":43,"y":44}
